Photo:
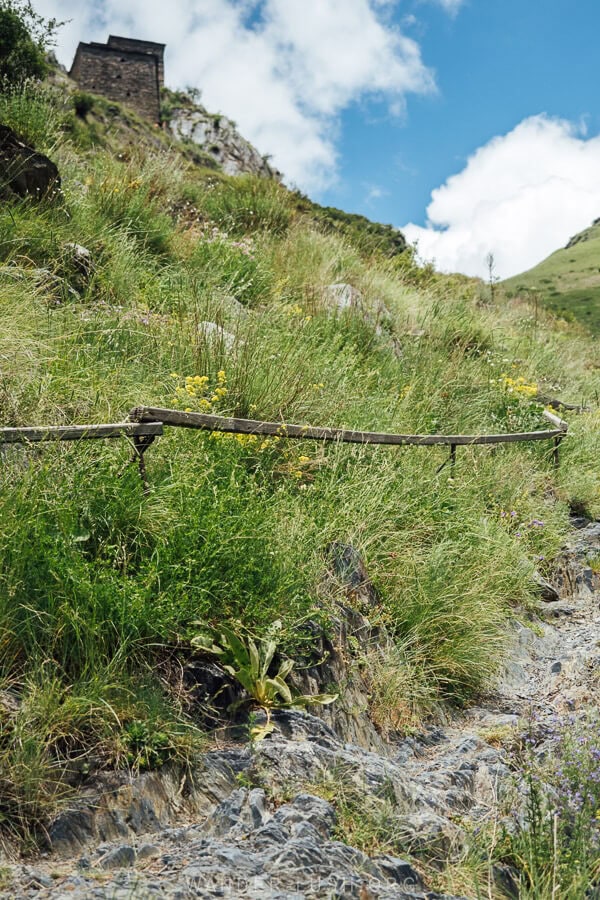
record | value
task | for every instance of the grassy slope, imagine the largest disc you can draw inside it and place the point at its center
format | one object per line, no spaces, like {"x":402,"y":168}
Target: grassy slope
{"x":102,"y":587}
{"x":568,"y":281}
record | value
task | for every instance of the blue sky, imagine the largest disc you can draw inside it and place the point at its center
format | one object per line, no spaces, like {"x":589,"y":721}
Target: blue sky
{"x":471,"y":124}
{"x":496,"y":63}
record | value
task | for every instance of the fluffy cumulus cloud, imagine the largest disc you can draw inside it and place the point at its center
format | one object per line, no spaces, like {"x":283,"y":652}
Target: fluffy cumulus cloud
{"x":520,"y":197}
{"x":283,"y":69}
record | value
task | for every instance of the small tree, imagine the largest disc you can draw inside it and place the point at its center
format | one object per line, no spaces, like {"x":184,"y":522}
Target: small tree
{"x":493,"y":279}
{"x":24,"y":39}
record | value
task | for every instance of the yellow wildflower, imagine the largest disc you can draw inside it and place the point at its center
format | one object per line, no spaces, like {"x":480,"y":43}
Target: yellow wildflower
{"x":519,"y":386}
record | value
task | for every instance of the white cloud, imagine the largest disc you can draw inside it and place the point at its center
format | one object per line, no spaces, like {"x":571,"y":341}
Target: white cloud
{"x":451,"y":6}
{"x":283,"y":69}
{"x":374,"y":192}
{"x":520,"y":197}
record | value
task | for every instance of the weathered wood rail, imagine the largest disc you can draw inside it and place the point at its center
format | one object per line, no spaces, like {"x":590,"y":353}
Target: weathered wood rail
{"x":177,"y":419}
{"x":202,"y":421}
{"x":148,"y":422}
{"x":79,"y":432}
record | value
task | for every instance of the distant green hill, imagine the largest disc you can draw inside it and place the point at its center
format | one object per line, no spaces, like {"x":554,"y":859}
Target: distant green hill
{"x":568,"y":281}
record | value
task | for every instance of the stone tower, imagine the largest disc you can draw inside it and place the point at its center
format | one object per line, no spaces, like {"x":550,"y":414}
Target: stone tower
{"x":123,"y":69}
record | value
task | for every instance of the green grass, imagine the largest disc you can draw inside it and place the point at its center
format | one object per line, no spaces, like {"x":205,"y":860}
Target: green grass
{"x":103,"y":583}
{"x":568,"y":281}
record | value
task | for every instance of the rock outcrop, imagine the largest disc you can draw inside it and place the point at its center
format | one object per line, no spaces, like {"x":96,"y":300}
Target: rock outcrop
{"x":24,"y":171}
{"x":218,"y":137}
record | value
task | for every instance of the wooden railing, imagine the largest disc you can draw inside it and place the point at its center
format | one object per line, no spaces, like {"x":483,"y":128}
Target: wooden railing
{"x":177,"y":419}
{"x":146,"y":423}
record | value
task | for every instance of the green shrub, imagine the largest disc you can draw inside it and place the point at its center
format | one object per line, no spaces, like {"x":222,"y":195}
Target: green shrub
{"x":24,"y":37}
{"x":250,"y":663}
{"x":81,"y":727}
{"x":83,"y":103}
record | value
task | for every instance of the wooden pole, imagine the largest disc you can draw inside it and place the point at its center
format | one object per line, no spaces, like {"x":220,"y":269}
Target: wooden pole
{"x":556,"y":420}
{"x":556,"y":451}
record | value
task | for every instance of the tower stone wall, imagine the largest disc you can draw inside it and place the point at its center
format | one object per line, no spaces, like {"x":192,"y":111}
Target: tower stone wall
{"x":124,"y":69}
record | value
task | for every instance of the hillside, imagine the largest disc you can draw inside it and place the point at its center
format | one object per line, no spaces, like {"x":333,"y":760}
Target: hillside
{"x":210,"y":141}
{"x":568,"y":281}
{"x":179,"y":624}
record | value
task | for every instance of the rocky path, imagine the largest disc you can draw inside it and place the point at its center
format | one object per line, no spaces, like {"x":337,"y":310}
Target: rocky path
{"x":259,"y":822}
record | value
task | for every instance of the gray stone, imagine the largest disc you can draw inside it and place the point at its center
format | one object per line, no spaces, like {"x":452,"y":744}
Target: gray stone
{"x":350,"y":569}
{"x":344,"y":296}
{"x":556,"y":610}
{"x":118,"y":858}
{"x":24,"y":171}
{"x":242,"y":811}
{"x":305,"y":808}
{"x":34,"y":879}
{"x":399,"y":871}
{"x":148,"y":851}
{"x":548,"y":592}
{"x":72,"y":830}
{"x":217,"y":334}
{"x":271,"y":836}
{"x":431,"y":835}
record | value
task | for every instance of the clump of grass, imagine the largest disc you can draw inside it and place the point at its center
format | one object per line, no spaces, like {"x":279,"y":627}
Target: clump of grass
{"x":243,"y":205}
{"x":36,"y":113}
{"x":52,"y":736}
{"x":131,"y":198}
{"x":401,"y":691}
